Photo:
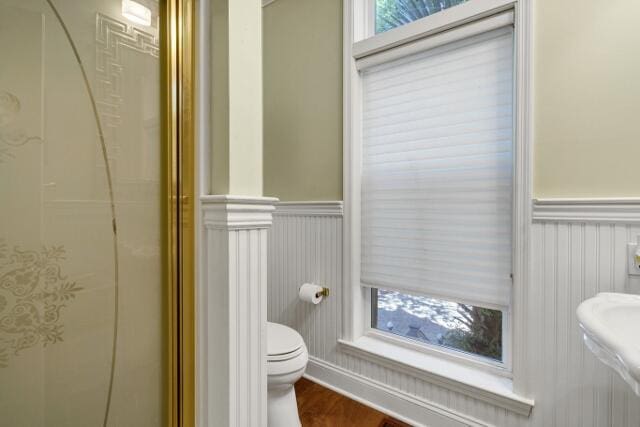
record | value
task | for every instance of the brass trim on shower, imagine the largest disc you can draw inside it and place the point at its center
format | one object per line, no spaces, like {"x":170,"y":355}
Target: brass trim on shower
{"x":178,"y":135}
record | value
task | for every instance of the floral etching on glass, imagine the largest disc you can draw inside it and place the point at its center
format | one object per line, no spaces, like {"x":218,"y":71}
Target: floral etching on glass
{"x":33,"y":294}
{"x":10,"y":136}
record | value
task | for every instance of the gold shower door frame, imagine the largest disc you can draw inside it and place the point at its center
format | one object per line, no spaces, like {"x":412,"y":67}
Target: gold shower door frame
{"x":178,"y":136}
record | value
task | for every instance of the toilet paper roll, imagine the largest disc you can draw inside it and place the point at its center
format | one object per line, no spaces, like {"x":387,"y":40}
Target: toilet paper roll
{"x":311,"y":293}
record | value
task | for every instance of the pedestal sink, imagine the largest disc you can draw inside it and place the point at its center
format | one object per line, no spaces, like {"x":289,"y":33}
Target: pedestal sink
{"x":611,"y":326}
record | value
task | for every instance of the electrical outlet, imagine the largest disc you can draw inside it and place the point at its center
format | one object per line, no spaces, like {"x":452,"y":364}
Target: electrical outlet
{"x":634,"y":266}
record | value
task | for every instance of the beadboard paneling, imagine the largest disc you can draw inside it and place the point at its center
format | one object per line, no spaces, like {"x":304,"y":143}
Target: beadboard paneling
{"x":571,"y":261}
{"x":306,"y":247}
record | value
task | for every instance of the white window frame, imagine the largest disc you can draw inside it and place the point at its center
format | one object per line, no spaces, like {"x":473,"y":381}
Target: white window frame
{"x":360,"y":41}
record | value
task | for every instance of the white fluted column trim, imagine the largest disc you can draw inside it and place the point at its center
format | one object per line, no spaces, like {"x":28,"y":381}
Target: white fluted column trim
{"x":233,"y":305}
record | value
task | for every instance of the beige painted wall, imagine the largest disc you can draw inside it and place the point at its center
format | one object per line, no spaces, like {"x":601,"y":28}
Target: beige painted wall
{"x":586,"y":93}
{"x":236,"y":60}
{"x":219,"y":97}
{"x":302,"y":45}
{"x":587,"y":98}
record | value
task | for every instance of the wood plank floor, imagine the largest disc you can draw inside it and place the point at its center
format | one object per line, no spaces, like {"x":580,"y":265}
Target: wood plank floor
{"x":320,"y":407}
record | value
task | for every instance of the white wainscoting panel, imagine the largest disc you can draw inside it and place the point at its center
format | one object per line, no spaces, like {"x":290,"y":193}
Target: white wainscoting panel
{"x":579,"y":248}
{"x":305,"y":244}
{"x":573,"y":258}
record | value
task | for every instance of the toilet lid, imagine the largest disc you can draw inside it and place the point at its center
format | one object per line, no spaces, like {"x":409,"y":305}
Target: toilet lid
{"x":282,"y":339}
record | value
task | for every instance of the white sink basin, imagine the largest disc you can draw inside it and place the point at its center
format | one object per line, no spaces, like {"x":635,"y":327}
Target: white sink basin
{"x":611,"y":326}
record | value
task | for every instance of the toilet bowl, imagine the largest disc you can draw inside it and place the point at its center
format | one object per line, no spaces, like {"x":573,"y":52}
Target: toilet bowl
{"x":286,"y":361}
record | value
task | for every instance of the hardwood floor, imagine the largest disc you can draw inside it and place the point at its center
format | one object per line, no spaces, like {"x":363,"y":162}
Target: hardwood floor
{"x":320,"y":407}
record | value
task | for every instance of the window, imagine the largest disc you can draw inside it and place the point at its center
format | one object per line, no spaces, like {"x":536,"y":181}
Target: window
{"x":470,"y":329}
{"x":436,"y":179}
{"x":394,"y":13}
{"x":431,"y":176}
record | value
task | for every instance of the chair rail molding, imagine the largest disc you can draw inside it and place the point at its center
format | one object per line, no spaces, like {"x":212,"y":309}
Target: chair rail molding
{"x":323,"y":208}
{"x":233,"y":309}
{"x":600,"y":210}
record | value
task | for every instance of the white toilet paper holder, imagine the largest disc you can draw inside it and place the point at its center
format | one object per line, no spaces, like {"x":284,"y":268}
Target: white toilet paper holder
{"x":312,"y":293}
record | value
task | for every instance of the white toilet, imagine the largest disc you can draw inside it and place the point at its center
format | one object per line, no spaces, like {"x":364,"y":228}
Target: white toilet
{"x":286,"y":361}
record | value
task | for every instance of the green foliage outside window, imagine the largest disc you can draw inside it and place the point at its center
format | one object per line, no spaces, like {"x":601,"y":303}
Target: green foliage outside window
{"x":394,"y":13}
{"x":484,"y":334}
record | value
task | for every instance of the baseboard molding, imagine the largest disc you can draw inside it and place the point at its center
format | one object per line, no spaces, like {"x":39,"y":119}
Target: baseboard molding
{"x":491,"y":388}
{"x":323,"y":208}
{"x":415,"y":411}
{"x":620,"y":210}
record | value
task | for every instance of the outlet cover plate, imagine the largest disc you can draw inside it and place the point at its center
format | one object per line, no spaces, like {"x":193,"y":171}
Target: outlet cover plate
{"x":631,"y":253}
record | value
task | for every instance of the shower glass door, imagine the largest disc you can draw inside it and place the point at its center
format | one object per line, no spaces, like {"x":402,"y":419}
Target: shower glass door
{"x":83,"y":306}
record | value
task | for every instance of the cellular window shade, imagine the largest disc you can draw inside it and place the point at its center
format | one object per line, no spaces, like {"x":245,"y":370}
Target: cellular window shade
{"x":437,"y":165}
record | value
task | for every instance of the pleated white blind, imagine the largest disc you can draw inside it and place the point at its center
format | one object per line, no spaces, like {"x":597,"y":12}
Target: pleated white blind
{"x":437,"y":165}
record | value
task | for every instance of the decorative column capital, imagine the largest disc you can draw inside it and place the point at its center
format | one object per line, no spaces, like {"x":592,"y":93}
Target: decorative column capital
{"x":237,"y":212}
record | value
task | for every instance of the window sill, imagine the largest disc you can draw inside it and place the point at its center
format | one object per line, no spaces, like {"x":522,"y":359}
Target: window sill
{"x":473,"y":382}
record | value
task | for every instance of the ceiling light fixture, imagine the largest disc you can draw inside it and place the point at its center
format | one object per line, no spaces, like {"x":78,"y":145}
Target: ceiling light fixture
{"x":136,"y":12}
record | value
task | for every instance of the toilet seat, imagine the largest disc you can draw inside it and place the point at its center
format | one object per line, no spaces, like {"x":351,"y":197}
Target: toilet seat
{"x":285,"y":357}
{"x":283,"y":343}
